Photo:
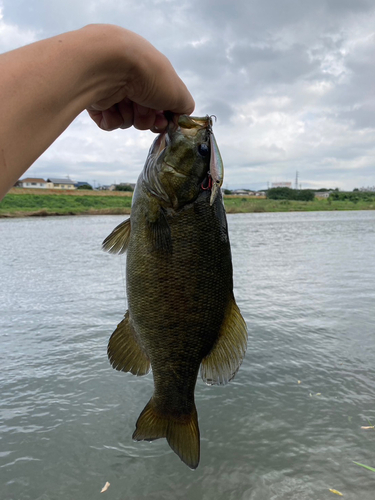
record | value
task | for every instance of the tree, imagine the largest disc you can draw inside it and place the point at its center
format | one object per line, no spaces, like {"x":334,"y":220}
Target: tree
{"x":305,"y":195}
{"x":124,"y":187}
{"x":280,"y":193}
{"x":285,"y":193}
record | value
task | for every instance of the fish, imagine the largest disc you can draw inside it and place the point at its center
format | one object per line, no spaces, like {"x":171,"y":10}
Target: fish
{"x":182,"y":315}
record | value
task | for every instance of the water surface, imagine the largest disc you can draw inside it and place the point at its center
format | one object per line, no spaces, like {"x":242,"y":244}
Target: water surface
{"x":287,"y":427}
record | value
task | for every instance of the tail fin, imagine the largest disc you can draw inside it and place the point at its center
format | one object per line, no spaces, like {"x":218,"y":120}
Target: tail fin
{"x":182,"y":432}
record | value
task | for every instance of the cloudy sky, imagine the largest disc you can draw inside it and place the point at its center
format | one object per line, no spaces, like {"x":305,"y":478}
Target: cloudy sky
{"x":292,"y":83}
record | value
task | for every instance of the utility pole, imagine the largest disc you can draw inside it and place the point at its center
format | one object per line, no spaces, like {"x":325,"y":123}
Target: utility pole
{"x":296,"y":183}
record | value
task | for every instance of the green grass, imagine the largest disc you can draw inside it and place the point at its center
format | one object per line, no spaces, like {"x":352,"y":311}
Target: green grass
{"x":36,"y":204}
{"x":245,"y":205}
{"x":14,"y":205}
{"x":365,"y":466}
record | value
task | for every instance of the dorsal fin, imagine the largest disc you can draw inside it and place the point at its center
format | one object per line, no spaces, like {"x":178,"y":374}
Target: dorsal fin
{"x":224,"y":360}
{"x":118,"y":240}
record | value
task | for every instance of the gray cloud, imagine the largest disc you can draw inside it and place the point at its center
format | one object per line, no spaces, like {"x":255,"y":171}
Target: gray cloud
{"x":291,"y":84}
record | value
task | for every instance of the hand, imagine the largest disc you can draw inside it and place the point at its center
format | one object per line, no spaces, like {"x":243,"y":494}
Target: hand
{"x":149,"y":86}
{"x":127,"y":113}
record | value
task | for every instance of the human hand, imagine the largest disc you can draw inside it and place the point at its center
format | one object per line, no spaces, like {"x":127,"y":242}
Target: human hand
{"x":141,"y":85}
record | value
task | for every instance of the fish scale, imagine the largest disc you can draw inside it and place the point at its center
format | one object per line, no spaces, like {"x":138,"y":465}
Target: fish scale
{"x":182,"y":313}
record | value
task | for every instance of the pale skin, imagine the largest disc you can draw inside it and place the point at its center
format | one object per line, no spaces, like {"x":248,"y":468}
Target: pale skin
{"x":119,"y":77}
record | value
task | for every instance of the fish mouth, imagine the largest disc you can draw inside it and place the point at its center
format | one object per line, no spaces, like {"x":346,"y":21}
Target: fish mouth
{"x":190,"y":126}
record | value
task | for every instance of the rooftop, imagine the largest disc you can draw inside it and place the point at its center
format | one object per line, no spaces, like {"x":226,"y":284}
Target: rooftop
{"x":32,"y":179}
{"x":60,"y":181}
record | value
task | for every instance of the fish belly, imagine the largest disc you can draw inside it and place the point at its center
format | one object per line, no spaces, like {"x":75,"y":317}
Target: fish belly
{"x":177,"y":299}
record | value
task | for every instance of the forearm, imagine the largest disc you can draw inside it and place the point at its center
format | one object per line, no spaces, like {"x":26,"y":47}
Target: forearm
{"x":43,"y":87}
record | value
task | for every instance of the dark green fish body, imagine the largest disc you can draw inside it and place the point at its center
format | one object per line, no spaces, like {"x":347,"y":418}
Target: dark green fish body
{"x":182,"y":314}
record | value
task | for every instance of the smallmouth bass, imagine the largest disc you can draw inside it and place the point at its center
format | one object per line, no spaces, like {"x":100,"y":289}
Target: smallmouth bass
{"x":182,"y":314}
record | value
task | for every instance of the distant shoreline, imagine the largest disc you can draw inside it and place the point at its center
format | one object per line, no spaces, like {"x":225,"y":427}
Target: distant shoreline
{"x":43,"y":203}
{"x":48,"y":213}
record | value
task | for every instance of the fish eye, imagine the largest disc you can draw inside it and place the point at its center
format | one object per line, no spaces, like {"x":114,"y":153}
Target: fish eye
{"x":203,"y":149}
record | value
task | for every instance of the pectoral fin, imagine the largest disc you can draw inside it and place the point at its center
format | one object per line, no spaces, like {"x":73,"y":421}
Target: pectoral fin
{"x":124,"y":352}
{"x":118,"y":240}
{"x":160,"y":232}
{"x":223,"y":362}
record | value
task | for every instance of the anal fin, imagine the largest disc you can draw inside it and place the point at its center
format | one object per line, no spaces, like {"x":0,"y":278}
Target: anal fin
{"x":222,"y":363}
{"x":124,"y":352}
{"x":118,"y":240}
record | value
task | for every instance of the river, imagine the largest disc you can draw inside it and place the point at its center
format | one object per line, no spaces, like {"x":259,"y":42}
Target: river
{"x":287,"y":428}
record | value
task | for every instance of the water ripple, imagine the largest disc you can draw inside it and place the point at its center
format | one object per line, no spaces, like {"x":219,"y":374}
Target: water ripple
{"x":287,"y":428}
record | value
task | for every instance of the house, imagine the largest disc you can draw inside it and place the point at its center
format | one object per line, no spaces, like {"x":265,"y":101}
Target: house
{"x":242,"y":192}
{"x":62,"y":183}
{"x":79,"y":184}
{"x":34,"y":182}
{"x":322,"y":194}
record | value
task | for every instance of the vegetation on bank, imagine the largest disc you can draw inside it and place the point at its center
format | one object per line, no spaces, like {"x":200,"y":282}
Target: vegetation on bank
{"x":124,"y":187}
{"x":354,"y":196}
{"x":16,"y":205}
{"x":236,"y":204}
{"x":94,"y":202}
{"x":284,"y":193}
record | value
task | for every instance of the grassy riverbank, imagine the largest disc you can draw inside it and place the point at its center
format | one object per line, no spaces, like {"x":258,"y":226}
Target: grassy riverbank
{"x":236,"y":204}
{"x":22,"y":202}
{"x":39,"y":202}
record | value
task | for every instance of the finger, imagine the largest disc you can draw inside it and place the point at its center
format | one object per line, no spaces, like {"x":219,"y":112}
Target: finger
{"x":184,"y":103}
{"x":160,"y":123}
{"x":112,"y":118}
{"x":108,"y":119}
{"x":95,"y":115}
{"x":144,"y":118}
{"x":176,"y":99}
{"x":126,"y":110}
{"x":156,"y":85}
{"x":117,"y":116}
